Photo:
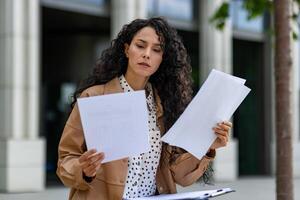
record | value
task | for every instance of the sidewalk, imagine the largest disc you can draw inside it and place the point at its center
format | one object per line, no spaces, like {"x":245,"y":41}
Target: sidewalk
{"x":258,"y":188}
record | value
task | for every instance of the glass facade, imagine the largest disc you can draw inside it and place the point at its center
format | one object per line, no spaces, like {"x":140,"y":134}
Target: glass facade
{"x":173,"y":9}
{"x":86,"y":2}
{"x":90,"y":7}
{"x":239,"y":18}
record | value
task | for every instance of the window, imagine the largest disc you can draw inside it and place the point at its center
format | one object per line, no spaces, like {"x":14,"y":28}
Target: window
{"x":173,"y":9}
{"x":240,"y":21}
{"x":88,"y":2}
{"x":91,"y":7}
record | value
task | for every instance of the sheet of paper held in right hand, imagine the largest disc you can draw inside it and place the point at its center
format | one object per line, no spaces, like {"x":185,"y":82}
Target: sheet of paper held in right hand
{"x":216,"y":101}
{"x":116,"y":124}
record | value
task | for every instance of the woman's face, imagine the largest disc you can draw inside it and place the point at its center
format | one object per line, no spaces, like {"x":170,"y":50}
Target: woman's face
{"x":144,"y":53}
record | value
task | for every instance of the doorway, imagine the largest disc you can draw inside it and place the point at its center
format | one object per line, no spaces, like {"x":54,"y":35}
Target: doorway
{"x":248,"y":63}
{"x":71,"y":43}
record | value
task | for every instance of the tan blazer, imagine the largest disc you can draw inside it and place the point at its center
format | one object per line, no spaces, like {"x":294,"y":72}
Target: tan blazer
{"x":110,"y":180}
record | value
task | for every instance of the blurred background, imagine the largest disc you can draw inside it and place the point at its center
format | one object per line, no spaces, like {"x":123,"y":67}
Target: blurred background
{"x":48,"y":46}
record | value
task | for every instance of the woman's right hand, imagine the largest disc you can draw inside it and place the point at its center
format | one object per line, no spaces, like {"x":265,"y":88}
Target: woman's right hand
{"x":90,"y":162}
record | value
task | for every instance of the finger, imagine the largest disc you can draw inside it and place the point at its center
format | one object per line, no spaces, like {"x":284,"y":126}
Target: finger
{"x":96,"y":158}
{"x":90,"y":174}
{"x":220,"y":131}
{"x":102,"y":158}
{"x":92,"y":169}
{"x":223,"y":139}
{"x":98,"y":166}
{"x":224,"y":127}
{"x":86,"y":154}
{"x":95,"y":155}
{"x":227,"y":123}
{"x":89,"y":170}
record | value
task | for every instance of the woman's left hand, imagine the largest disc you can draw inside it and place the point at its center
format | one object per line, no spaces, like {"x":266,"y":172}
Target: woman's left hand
{"x":222,"y":131}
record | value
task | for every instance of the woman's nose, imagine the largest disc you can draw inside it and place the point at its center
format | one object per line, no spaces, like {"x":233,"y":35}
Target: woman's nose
{"x":146,"y":56}
{"x":147,"y":53}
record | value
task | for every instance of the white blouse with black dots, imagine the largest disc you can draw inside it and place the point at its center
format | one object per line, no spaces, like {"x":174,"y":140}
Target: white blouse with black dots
{"x":141,"y":174}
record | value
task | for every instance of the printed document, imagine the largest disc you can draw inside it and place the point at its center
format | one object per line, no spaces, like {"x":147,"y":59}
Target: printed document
{"x":216,"y":101}
{"x":116,"y":124}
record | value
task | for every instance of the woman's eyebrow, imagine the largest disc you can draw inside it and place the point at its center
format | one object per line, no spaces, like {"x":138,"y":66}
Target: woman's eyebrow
{"x":144,"y":41}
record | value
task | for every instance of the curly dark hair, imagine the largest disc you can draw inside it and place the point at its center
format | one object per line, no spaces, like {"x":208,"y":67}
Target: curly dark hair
{"x":172,"y":80}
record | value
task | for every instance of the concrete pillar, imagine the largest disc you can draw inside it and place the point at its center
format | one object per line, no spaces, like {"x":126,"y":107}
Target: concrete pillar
{"x":269,"y":98}
{"x":215,"y":45}
{"x":295,"y":109}
{"x":33,"y":63}
{"x":215,"y":52}
{"x":295,"y":99}
{"x":124,"y":12}
{"x":21,"y":150}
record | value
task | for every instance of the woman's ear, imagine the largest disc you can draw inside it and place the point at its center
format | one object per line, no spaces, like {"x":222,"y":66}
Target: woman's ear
{"x":126,"y":47}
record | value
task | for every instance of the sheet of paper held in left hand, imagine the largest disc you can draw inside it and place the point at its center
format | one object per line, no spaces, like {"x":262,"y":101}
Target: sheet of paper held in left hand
{"x":116,"y":124}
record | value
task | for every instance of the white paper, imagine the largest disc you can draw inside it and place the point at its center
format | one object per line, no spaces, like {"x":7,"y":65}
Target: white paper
{"x":116,"y":124}
{"x":216,"y":101}
{"x":189,"y":195}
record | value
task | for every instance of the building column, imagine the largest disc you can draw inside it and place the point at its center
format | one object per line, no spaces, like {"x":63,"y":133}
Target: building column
{"x":295,"y":99}
{"x":295,"y":109}
{"x":22,"y":152}
{"x":124,"y":12}
{"x":215,"y":52}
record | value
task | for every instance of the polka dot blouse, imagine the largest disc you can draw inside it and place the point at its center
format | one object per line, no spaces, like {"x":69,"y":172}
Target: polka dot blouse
{"x":141,"y":173}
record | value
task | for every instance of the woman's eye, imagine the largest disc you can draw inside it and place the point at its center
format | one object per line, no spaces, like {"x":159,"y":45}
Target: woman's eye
{"x":139,"y":46}
{"x":157,"y":50}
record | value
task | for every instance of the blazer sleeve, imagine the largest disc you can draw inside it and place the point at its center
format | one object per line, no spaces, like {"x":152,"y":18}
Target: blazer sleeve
{"x":71,"y":147}
{"x":187,"y":169}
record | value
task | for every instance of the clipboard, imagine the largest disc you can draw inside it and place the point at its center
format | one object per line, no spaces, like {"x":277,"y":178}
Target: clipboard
{"x":197,"y":195}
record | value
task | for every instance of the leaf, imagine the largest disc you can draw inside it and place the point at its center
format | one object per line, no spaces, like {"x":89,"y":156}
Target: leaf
{"x":295,"y":16}
{"x":254,"y":8}
{"x":297,"y":1}
{"x":220,"y":16}
{"x":294,"y":35}
{"x":257,"y":8}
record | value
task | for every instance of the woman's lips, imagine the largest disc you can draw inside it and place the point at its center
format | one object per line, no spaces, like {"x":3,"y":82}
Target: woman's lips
{"x":144,"y":64}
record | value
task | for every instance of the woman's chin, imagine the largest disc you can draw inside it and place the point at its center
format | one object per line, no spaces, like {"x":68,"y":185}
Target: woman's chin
{"x":144,"y":73}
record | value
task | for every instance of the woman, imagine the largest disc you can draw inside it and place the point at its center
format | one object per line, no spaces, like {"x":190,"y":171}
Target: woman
{"x":147,"y":54}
